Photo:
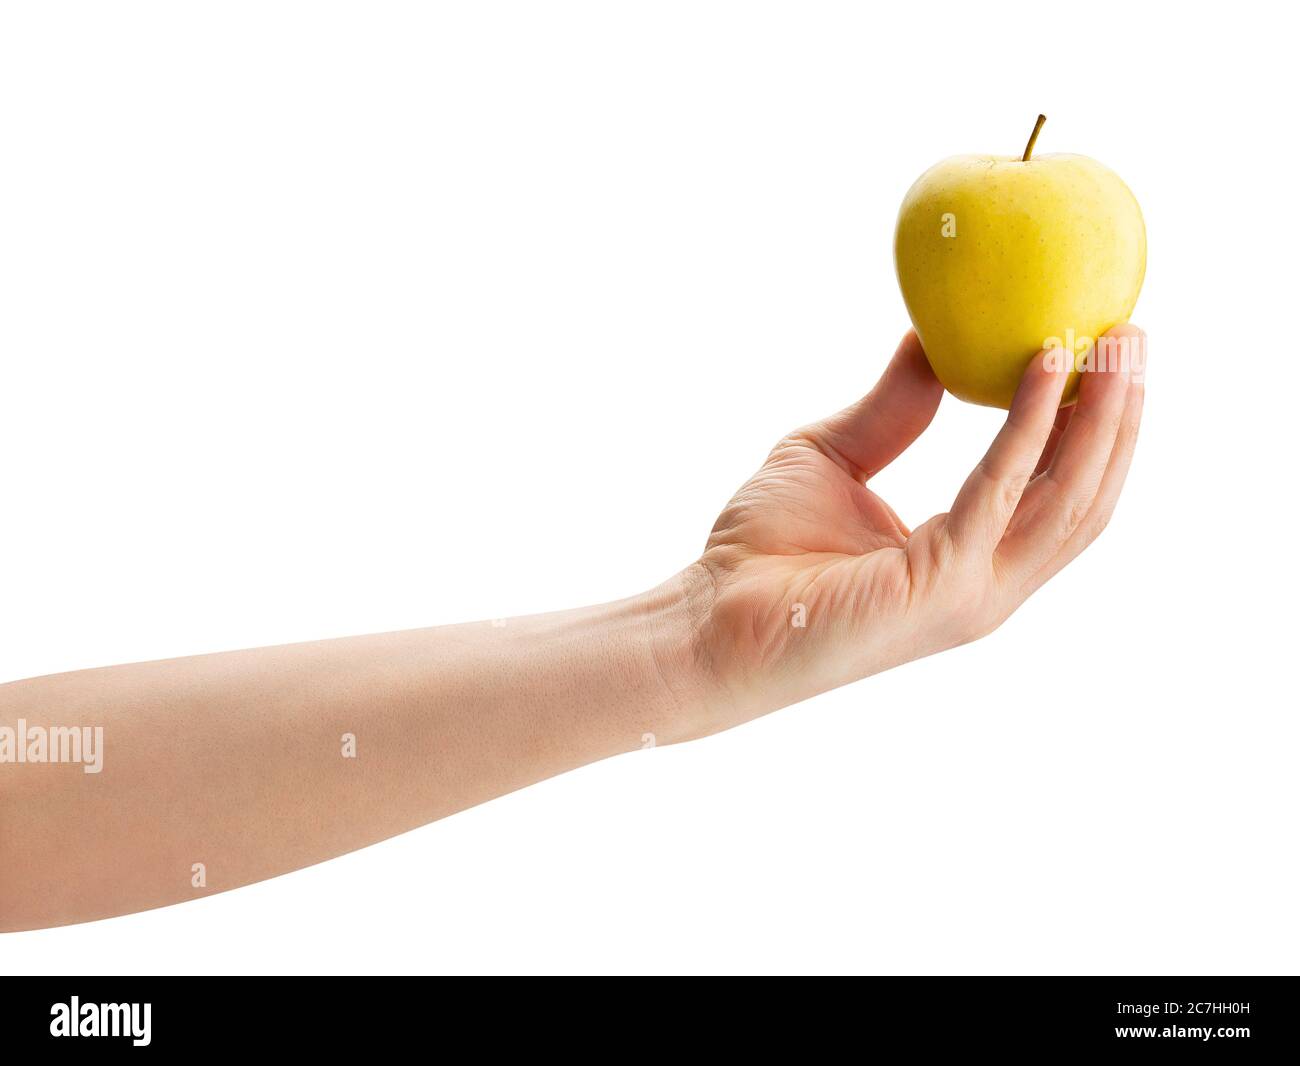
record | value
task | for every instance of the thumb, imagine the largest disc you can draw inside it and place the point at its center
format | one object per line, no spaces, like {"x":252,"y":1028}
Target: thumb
{"x":870,"y":434}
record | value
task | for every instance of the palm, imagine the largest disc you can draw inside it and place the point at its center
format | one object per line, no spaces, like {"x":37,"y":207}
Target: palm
{"x":812,"y":580}
{"x":800,"y":558}
{"x":805,"y":556}
{"x":803,"y":502}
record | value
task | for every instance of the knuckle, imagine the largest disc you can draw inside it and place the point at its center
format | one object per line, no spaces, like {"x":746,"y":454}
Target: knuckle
{"x":978,"y":627}
{"x":1074,"y":512}
{"x":976,"y":609}
{"x":1009,"y":493}
{"x":1097,"y":523}
{"x":1008,"y":486}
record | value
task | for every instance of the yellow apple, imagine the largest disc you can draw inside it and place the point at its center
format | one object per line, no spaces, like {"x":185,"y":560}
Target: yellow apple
{"x":1000,"y":257}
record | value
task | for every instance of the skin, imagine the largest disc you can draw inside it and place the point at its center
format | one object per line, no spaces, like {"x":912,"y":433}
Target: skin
{"x":235,"y":760}
{"x":1052,"y":247}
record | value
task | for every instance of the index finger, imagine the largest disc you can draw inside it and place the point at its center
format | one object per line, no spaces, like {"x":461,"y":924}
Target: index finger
{"x":986,"y":502}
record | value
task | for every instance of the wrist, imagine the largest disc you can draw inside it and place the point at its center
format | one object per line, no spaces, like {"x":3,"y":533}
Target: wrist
{"x":676,"y":616}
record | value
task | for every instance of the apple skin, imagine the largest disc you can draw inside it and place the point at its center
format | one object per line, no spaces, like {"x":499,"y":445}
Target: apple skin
{"x":1050,"y":248}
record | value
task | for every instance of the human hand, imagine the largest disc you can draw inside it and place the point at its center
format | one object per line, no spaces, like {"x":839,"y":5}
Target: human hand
{"x":810,"y":580}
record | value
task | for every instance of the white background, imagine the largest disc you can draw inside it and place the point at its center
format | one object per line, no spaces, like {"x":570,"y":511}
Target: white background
{"x":319,"y":319}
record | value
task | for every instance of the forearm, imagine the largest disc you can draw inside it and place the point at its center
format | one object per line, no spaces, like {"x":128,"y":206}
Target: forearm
{"x":240,"y":762}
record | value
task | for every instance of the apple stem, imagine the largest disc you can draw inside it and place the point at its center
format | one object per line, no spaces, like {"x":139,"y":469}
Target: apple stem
{"x":1029,"y":148}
